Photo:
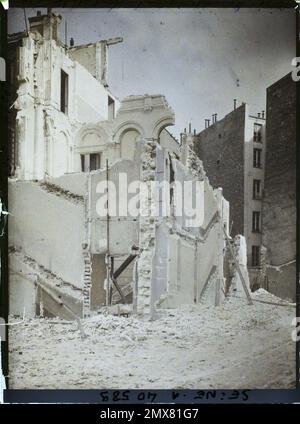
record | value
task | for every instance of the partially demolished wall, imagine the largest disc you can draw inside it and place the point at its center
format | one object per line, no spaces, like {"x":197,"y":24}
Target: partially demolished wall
{"x":55,"y":219}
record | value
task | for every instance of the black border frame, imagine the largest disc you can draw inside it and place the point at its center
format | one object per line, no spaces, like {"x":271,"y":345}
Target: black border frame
{"x":4,"y":286}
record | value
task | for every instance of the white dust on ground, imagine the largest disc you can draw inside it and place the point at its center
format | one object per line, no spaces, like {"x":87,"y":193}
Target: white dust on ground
{"x":194,"y":347}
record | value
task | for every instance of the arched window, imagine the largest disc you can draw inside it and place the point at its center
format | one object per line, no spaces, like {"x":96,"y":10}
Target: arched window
{"x":91,"y":151}
{"x":128,"y":144}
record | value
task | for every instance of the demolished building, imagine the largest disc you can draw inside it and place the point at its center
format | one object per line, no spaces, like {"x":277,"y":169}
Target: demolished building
{"x":73,"y":147}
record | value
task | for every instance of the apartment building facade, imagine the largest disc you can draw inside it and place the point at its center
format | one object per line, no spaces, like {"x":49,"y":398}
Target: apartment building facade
{"x":233,"y":154}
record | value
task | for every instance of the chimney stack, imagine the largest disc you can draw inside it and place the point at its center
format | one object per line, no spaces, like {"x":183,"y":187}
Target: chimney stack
{"x":190,"y":128}
{"x":263,"y":114}
{"x":258,"y":115}
{"x":234,"y":104}
{"x":46,"y":25}
{"x":214,"y":118}
{"x":207,"y":123}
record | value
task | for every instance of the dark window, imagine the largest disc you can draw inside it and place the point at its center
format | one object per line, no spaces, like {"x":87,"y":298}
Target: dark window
{"x":90,"y":162}
{"x":257,"y":158}
{"x":94,"y":161}
{"x":256,"y":189}
{"x":12,"y":73}
{"x":172,"y":179}
{"x":64,"y":92}
{"x":256,"y":222}
{"x":255,"y":256}
{"x":257,"y":134}
{"x":111,"y":108}
{"x":82,"y":163}
{"x":12,"y":153}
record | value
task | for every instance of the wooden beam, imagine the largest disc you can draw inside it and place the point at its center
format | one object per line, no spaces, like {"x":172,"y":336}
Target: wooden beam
{"x":123,"y":266}
{"x":112,"y":41}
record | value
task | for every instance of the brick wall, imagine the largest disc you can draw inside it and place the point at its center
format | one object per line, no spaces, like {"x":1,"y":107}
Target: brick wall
{"x":279,"y":203}
{"x":221,"y":148}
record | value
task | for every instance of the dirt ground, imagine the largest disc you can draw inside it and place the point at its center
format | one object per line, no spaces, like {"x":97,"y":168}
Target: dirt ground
{"x":195,"y":347}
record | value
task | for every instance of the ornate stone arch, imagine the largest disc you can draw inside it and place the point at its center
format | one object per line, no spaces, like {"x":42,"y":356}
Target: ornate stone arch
{"x":125,"y":127}
{"x":91,"y":138}
{"x":160,"y":124}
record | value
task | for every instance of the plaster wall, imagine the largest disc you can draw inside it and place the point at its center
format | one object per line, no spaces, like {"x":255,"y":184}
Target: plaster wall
{"x":184,"y":258}
{"x":40,"y":221}
{"x":123,"y":231}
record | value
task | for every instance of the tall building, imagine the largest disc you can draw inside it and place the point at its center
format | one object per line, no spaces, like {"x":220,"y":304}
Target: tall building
{"x":254,"y":159}
{"x":233,"y":154}
{"x":279,"y":202}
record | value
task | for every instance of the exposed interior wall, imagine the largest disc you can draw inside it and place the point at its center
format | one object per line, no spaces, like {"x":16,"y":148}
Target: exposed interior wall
{"x":75,"y":183}
{"x":122,"y":230}
{"x":98,"y":294}
{"x":40,"y":221}
{"x":188,"y":262}
{"x":22,"y":293}
{"x":91,"y":98}
{"x":94,"y":58}
{"x":168,"y":142}
{"x":86,"y":56}
{"x":35,"y":289}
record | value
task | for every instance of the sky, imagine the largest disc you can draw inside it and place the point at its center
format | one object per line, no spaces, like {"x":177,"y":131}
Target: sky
{"x":200,"y":59}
